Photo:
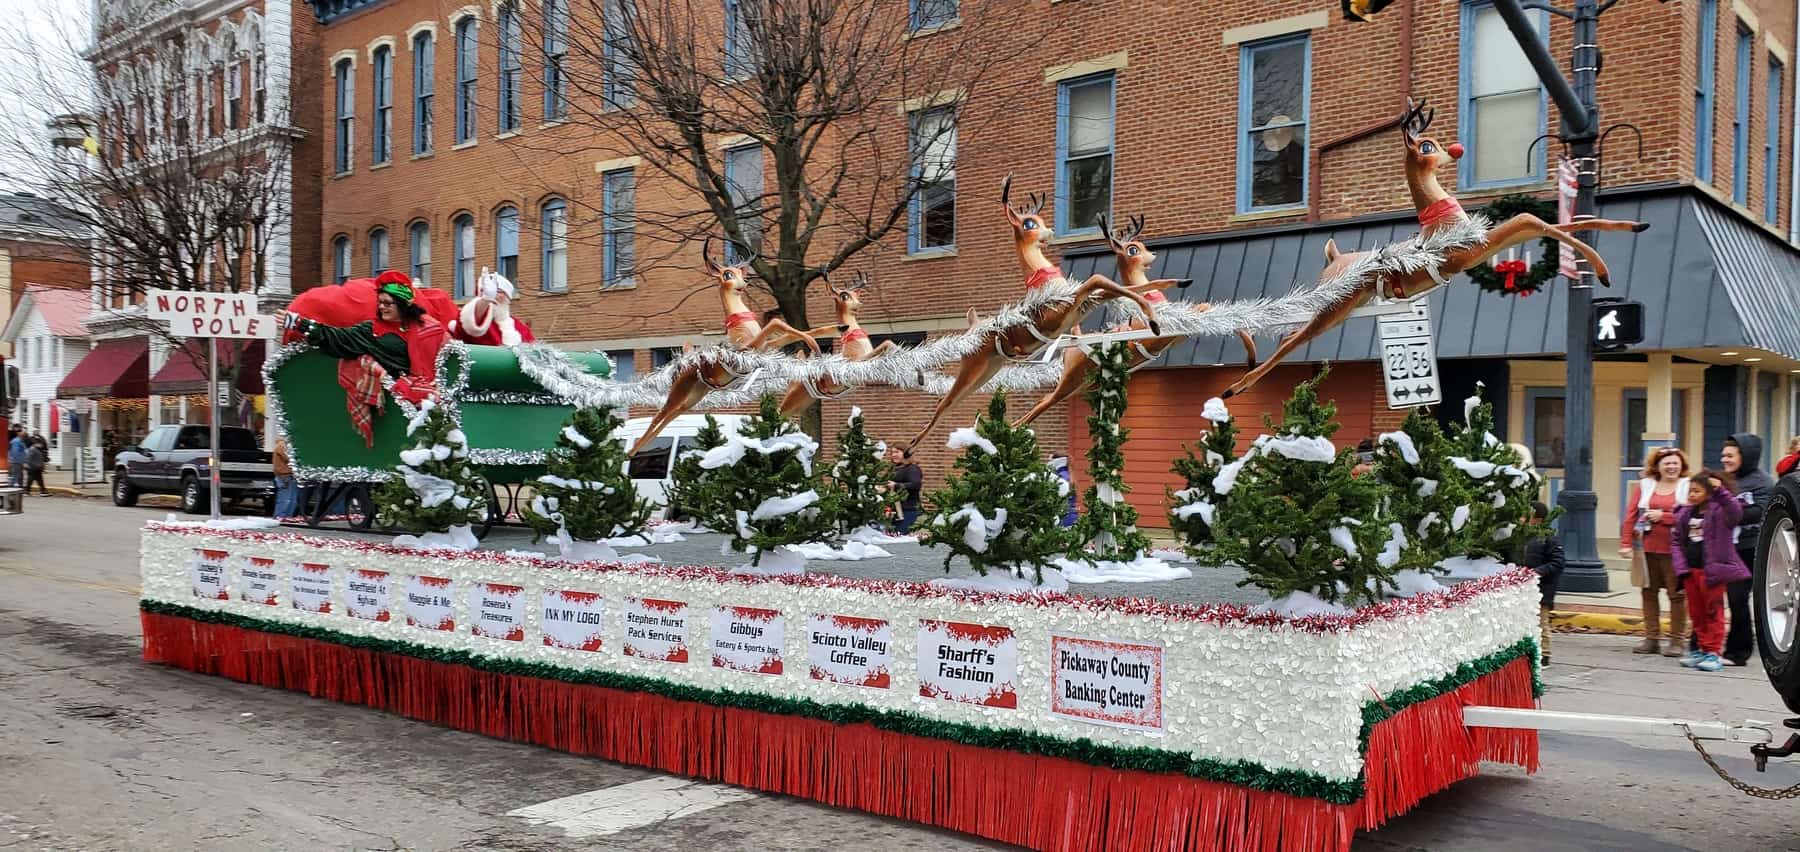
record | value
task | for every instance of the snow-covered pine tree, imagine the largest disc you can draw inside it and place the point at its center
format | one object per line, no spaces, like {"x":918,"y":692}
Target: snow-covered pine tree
{"x":1108,"y":531}
{"x":761,"y":489}
{"x":1423,"y":490}
{"x":585,"y":496}
{"x":688,"y":491}
{"x":1296,"y":520}
{"x":1492,"y":522}
{"x":859,"y":477}
{"x":1003,"y":510}
{"x":437,"y":490}
{"x":1191,"y":509}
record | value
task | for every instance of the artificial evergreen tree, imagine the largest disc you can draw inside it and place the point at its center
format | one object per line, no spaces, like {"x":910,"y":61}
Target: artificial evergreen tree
{"x":859,"y":478}
{"x":585,"y":495}
{"x":437,"y":490}
{"x":1297,"y":520}
{"x":687,"y":486}
{"x":1423,"y":490}
{"x":760,"y":487}
{"x":1108,"y":530}
{"x":1191,"y":510}
{"x":1003,"y":509}
{"x":1499,"y":488}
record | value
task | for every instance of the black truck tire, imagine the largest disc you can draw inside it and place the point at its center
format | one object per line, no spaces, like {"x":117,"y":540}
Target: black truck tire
{"x":123,"y":492}
{"x":1775,"y":591}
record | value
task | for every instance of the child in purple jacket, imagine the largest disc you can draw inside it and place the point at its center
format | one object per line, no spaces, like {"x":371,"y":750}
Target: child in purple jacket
{"x":1705,"y":561}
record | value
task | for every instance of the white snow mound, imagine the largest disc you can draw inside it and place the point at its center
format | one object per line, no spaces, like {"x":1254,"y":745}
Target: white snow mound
{"x":1005,"y":582}
{"x":964,"y":438}
{"x":1146,"y":568}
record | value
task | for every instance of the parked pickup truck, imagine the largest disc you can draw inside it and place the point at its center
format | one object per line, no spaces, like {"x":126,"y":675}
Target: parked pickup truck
{"x":173,"y":460}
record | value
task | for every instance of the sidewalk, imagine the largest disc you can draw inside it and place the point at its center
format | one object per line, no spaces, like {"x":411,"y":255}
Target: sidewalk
{"x":62,"y":483}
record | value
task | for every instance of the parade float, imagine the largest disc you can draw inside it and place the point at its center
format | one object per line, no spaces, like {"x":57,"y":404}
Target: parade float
{"x":1023,"y":714}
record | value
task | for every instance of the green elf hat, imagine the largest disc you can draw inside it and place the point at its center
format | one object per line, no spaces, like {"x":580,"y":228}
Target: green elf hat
{"x":395,"y":284}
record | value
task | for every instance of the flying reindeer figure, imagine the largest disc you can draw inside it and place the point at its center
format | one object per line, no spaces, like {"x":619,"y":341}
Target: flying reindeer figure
{"x":1134,"y":259}
{"x":853,"y":344}
{"x":1436,"y":209}
{"x":1048,"y":322}
{"x":742,"y":331}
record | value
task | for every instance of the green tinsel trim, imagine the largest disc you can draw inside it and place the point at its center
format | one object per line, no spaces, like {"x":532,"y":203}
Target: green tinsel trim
{"x":1239,"y":773}
{"x":1391,"y":704}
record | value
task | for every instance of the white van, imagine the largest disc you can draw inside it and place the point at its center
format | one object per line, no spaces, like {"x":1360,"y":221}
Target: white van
{"x":649,"y":469}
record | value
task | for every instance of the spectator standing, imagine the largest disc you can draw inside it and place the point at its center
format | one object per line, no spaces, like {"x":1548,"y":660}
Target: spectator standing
{"x":1742,"y":460}
{"x":287,"y":491}
{"x":1644,"y":538}
{"x":37,"y":457}
{"x":1060,"y":464}
{"x":16,"y":451}
{"x":907,"y":479}
{"x":1545,"y":556}
{"x":1706,"y":562}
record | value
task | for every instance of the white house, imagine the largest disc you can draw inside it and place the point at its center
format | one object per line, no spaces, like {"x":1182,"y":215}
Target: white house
{"x":48,"y":340}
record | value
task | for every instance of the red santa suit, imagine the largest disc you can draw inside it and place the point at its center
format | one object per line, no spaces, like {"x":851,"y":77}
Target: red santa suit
{"x":487,"y":319}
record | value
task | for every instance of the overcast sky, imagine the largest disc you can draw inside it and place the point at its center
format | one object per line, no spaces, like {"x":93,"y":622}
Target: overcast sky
{"x":40,"y":71}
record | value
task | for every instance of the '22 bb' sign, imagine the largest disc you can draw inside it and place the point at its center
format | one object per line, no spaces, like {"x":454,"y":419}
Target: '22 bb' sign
{"x":1409,"y":357}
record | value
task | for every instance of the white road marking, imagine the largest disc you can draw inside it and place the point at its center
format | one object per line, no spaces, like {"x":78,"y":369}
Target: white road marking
{"x":611,"y":810}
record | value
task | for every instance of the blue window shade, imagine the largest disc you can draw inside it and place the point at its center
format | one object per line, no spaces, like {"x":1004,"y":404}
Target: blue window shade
{"x":933,"y":13}
{"x":378,"y":251}
{"x":382,"y":69}
{"x":1740,"y":121}
{"x":510,"y":67}
{"x":556,"y":49}
{"x":740,"y":59}
{"x":619,"y":212}
{"x":1703,"y":90}
{"x":1504,"y":106}
{"x":618,"y":87}
{"x":424,"y":65}
{"x":744,"y":180}
{"x":624,"y":364}
{"x":419,"y":245}
{"x":466,"y":58}
{"x":506,"y":243}
{"x":554,"y":237}
{"x":1772,"y":143}
{"x":1274,"y":93}
{"x":462,"y":247}
{"x":1084,"y":152}
{"x":931,"y":217}
{"x":340,"y":259}
{"x":345,"y":79}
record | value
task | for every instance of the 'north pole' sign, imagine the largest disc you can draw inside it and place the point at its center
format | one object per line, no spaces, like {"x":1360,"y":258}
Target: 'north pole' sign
{"x":209,"y":314}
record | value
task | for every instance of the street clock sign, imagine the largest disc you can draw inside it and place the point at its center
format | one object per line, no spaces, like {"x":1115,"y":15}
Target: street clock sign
{"x":1617,"y":324}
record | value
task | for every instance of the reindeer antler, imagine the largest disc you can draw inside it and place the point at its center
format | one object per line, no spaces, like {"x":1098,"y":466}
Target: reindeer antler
{"x":706,"y":253}
{"x":1034,"y":202}
{"x":861,"y":283}
{"x":1134,"y":226}
{"x":1417,"y":117}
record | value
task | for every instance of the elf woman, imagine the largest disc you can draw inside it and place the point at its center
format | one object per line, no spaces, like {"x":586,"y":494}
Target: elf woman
{"x":1706,"y":560}
{"x":402,"y":341}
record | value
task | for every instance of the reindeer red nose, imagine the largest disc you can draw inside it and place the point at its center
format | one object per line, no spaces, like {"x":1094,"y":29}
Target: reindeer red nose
{"x":1455,"y":150}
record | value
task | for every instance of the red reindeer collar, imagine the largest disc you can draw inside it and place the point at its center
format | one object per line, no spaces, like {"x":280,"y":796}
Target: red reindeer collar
{"x":1042,"y":276}
{"x":1155,"y":297}
{"x":1440,"y":211}
{"x":852,"y":336}
{"x":736,"y":319}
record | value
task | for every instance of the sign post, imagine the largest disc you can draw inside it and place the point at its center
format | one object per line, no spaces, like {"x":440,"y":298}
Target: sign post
{"x":212,"y":316}
{"x":1409,"y":357}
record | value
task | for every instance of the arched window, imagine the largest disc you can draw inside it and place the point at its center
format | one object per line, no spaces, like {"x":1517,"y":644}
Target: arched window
{"x":419,"y":242}
{"x":378,"y":251}
{"x":345,"y":76}
{"x":554,"y":221}
{"x":423,"y":71}
{"x":462,"y":247}
{"x":510,"y":67}
{"x":340,"y":259}
{"x":382,"y":70}
{"x":466,"y":57}
{"x":506,"y":243}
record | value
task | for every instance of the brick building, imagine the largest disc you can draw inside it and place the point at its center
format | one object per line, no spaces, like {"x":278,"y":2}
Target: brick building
{"x":40,"y":244}
{"x":1248,"y":135}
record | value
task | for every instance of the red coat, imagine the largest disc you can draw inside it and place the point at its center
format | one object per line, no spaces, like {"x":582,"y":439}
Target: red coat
{"x":480,"y":327}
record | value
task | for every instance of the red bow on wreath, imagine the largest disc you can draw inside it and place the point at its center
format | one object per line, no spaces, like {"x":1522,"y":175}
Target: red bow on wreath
{"x":1512,"y":269}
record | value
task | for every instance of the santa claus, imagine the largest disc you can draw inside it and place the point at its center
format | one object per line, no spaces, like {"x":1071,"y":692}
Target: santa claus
{"x":487,"y":319}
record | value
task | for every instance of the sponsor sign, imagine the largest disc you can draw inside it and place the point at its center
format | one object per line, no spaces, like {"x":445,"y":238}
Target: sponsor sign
{"x":260,"y":581}
{"x":498,"y":611}
{"x":573,"y":620}
{"x":209,"y":574}
{"x":1106,"y":682}
{"x":971,"y":663}
{"x":748,"y":639}
{"x":309,"y":586}
{"x":849,"y":650}
{"x":428,"y":603}
{"x":655,"y":630}
{"x":366,"y":594}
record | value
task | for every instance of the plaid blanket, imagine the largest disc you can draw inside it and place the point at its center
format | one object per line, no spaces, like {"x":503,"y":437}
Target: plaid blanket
{"x":361,"y":381}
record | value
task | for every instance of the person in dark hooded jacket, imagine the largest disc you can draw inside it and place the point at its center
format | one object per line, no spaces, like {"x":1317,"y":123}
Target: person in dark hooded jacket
{"x":1742,"y":458}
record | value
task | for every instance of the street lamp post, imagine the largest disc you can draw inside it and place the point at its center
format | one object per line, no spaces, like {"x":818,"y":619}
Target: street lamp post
{"x":1584,"y":572}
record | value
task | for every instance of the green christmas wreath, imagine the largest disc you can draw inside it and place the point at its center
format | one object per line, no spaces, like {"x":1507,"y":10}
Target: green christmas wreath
{"x":1513,"y":278}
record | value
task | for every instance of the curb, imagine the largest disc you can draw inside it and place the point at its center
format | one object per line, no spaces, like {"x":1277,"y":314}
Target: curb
{"x":1572,"y":621}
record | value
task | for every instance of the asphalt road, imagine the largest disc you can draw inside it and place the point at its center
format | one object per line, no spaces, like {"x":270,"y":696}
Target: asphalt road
{"x":101,"y":751}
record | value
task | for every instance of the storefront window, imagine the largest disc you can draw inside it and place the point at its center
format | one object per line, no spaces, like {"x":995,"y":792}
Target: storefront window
{"x":1544,"y":416}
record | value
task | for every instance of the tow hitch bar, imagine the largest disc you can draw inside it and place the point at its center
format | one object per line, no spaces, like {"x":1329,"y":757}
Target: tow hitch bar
{"x":1762,"y":753}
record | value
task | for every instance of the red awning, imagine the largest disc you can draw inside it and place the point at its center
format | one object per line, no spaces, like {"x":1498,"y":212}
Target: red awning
{"x":185,"y":369}
{"x":118,"y":368}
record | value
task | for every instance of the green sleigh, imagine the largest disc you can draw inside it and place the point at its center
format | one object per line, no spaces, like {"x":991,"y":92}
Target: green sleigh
{"x":509,"y":419}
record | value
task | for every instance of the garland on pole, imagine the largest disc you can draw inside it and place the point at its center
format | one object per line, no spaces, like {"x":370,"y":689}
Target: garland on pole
{"x":860,"y":477}
{"x":1004,"y":510}
{"x":1512,"y":276}
{"x":1192,"y":509}
{"x":1108,"y":530}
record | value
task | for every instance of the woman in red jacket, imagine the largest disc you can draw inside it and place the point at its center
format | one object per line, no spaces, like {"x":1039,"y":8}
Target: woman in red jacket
{"x":1644,"y":538}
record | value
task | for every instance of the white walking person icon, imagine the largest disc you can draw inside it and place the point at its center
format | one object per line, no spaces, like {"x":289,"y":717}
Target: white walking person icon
{"x":1609,"y":325}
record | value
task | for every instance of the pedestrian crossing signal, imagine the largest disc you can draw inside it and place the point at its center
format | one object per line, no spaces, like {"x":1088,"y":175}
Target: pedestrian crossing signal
{"x":1617,"y":324}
